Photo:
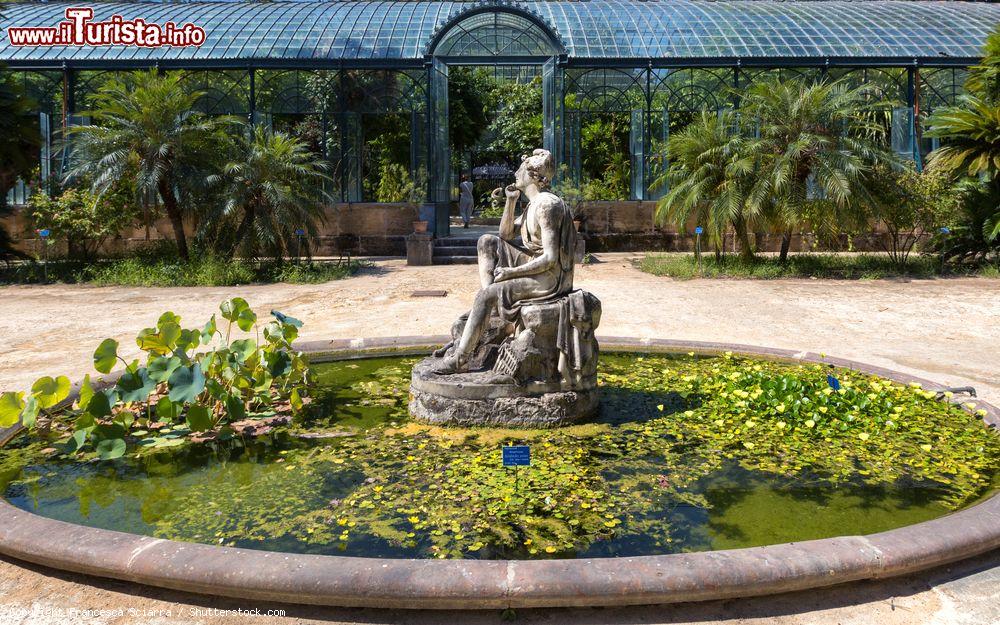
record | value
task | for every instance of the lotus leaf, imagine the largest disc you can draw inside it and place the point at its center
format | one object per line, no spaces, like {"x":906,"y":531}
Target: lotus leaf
{"x":106,"y":355}
{"x":186,"y":383}
{"x":50,"y":391}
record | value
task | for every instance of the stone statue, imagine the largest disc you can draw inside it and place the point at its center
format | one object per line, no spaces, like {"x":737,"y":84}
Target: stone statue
{"x":526,"y":353}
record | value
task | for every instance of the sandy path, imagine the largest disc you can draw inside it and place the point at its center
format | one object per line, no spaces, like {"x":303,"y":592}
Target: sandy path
{"x":946,"y":330}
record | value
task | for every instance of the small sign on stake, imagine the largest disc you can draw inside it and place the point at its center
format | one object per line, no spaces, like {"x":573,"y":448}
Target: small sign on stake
{"x":516,"y":456}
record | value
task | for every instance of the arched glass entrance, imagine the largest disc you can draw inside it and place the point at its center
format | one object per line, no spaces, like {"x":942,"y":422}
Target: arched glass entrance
{"x":486,"y":36}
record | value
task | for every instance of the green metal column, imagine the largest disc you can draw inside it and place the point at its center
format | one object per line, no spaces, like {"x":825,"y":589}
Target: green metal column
{"x":552,"y":110}
{"x":440,"y":165}
{"x":637,"y":153}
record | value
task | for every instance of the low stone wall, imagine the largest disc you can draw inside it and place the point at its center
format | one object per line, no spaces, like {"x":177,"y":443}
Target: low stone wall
{"x":380,"y":229}
{"x":627,"y":226}
{"x":371,"y":229}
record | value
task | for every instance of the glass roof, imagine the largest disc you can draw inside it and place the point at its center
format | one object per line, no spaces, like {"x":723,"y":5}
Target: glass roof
{"x":676,"y":29}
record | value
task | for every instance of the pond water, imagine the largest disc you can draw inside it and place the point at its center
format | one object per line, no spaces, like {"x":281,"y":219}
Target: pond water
{"x":679,"y":460}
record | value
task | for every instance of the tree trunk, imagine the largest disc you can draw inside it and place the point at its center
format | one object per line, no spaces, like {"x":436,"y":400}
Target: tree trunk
{"x":243,"y":228}
{"x":746,"y":248}
{"x":786,"y":242}
{"x":174,"y":214}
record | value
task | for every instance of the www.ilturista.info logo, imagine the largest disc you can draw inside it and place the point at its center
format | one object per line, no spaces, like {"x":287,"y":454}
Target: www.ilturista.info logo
{"x":79,"y":30}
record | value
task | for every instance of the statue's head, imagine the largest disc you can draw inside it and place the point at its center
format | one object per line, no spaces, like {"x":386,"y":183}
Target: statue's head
{"x":537,"y":169}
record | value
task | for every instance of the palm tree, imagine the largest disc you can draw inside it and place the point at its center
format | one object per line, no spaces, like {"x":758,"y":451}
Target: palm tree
{"x":984,"y":78}
{"x":815,"y":140}
{"x":970,"y":151}
{"x":708,"y":179}
{"x":271,"y":192}
{"x":147,"y":126}
{"x":971,"y":147}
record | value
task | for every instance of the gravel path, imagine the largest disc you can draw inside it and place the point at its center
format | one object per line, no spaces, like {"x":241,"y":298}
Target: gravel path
{"x":946,"y":330}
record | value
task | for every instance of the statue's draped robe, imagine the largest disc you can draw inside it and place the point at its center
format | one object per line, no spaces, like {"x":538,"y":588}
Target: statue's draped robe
{"x":549,"y":285}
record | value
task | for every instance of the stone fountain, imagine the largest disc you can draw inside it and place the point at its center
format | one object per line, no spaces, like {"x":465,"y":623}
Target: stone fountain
{"x":525,"y":355}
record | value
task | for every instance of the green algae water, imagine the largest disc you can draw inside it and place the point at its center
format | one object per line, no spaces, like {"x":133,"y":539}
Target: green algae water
{"x":689,"y":454}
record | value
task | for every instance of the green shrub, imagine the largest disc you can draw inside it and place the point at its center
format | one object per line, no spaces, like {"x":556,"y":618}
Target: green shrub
{"x":835,"y":266}
{"x":84,"y":219}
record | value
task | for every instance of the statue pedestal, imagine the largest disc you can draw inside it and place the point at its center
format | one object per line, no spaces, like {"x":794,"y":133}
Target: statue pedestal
{"x":540,"y":372}
{"x":479,"y":399}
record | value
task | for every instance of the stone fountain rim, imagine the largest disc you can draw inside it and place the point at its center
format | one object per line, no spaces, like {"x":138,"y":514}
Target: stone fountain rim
{"x":496,"y":584}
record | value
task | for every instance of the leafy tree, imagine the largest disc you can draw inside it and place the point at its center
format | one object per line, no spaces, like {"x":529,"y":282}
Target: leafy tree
{"x":146,"y":125}
{"x":708,"y":178}
{"x":814,"y":140}
{"x":516,"y":114}
{"x":910,"y":205}
{"x":604,"y":147}
{"x":18,"y":149}
{"x":18,"y":139}
{"x":468,"y":90}
{"x":272,"y":190}
{"x":85,"y":220}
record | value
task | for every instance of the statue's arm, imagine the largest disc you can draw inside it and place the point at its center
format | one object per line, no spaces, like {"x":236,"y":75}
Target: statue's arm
{"x":548,"y":222}
{"x":507,"y":220}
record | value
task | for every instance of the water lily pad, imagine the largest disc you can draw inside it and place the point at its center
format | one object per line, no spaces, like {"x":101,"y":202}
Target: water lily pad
{"x":111,"y":448}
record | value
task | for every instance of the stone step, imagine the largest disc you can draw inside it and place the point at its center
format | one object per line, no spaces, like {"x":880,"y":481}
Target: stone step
{"x":453,"y":241}
{"x":455,"y":250}
{"x":455,"y":260}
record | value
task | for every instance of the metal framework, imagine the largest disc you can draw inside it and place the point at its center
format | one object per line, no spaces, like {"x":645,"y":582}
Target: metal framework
{"x":335,"y":69}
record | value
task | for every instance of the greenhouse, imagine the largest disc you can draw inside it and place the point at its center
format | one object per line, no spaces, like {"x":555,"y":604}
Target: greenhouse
{"x":377,"y":86}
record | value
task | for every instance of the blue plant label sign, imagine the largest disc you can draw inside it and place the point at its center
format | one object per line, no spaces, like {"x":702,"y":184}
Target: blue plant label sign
{"x":833,"y":382}
{"x":698,"y":230}
{"x":516,"y":456}
{"x":44,"y":233}
{"x":300,"y":232}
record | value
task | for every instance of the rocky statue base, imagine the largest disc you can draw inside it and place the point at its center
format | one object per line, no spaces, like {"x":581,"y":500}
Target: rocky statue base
{"x":539,"y":372}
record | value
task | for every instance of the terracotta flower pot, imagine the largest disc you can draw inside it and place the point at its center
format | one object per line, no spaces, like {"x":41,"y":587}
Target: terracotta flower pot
{"x":420,"y":226}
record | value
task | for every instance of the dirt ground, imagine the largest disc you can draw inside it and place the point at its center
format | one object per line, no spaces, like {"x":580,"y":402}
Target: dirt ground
{"x":946,"y":330}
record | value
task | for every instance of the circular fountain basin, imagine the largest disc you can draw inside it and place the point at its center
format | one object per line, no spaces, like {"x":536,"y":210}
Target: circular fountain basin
{"x":499,"y":583}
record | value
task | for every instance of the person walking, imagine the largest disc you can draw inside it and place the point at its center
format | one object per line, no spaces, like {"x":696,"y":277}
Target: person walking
{"x":465,"y":200}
